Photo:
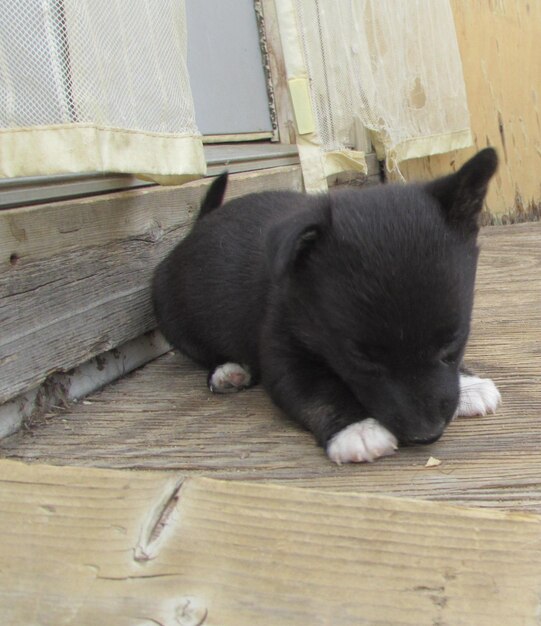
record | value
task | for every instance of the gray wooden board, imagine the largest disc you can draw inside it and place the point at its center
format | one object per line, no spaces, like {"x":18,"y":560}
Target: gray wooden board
{"x":80,"y":284}
{"x":163,"y":417}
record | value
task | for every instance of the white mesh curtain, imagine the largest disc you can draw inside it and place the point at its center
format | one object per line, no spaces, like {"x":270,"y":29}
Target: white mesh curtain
{"x":389,"y":66}
{"x":96,"y":85}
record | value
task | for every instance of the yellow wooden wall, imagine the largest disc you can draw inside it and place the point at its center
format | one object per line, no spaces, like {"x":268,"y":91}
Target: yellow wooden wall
{"x":500,"y":45}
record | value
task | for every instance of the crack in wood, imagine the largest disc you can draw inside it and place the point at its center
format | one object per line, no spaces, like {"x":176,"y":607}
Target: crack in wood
{"x":13,"y":294}
{"x":139,"y":577}
{"x":158,"y":519}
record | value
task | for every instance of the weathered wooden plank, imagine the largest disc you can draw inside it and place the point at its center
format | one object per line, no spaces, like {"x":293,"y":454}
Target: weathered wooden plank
{"x":55,"y":318}
{"x":90,"y":547}
{"x":78,"y":280}
{"x":163,"y":416}
{"x":42,"y":231}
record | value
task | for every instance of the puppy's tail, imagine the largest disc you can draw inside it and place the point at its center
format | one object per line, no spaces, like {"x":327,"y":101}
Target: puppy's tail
{"x":215,"y":195}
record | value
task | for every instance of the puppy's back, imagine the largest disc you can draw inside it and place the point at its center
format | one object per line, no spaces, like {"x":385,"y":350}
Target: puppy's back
{"x":210,"y":292}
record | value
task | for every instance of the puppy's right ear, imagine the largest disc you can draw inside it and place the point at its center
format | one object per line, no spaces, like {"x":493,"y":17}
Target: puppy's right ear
{"x":461,"y":195}
{"x":291,"y":240}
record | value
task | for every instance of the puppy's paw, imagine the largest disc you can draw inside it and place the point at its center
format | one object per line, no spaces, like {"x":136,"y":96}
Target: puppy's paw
{"x":229,"y":377}
{"x":478,"y":396}
{"x":360,"y":442}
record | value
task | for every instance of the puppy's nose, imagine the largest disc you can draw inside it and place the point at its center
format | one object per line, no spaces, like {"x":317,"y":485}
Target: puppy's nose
{"x":424,"y":439}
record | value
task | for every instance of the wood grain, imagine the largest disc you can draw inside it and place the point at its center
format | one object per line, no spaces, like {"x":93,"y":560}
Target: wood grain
{"x":42,"y":231}
{"x":93,"y":547}
{"x":163,"y":417}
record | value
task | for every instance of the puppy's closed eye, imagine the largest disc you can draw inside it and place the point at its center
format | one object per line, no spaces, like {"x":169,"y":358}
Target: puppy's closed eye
{"x":450,"y":345}
{"x":451,"y":354}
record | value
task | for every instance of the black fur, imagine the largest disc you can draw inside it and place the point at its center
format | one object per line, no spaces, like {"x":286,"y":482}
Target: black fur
{"x":347,"y":305}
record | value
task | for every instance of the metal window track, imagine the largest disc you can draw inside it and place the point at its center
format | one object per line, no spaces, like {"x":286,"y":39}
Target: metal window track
{"x":16,"y":192}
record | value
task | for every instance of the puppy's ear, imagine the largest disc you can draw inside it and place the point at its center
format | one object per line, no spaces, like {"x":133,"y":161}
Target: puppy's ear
{"x":461,"y":195}
{"x":292,"y":239}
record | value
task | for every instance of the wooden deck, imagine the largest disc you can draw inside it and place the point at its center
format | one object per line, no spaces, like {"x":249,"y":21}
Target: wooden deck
{"x":162,"y":416}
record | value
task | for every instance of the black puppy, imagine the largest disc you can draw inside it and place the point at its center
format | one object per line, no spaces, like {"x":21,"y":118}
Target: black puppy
{"x":352,"y":307}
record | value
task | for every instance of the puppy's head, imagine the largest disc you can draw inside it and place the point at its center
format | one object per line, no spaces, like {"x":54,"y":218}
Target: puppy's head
{"x":379,"y":285}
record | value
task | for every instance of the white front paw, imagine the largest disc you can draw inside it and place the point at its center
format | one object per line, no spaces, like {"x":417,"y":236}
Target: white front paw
{"x":362,"y":441}
{"x":478,"y":396}
{"x":229,"y":377}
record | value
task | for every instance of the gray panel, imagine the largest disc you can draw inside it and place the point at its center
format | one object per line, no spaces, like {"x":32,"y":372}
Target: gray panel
{"x":226,"y":68}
